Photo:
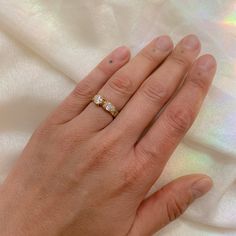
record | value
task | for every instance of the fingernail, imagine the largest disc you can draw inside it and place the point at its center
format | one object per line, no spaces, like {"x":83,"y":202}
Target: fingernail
{"x":191,"y":42}
{"x":200,"y":187}
{"x":206,"y":62}
{"x":121,"y":53}
{"x":164,"y":43}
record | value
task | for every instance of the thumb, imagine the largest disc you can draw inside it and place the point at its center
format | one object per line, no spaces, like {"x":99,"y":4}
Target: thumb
{"x":168,"y":203}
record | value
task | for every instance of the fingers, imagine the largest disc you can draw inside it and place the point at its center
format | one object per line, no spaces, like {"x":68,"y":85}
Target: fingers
{"x":158,"y":88}
{"x":169,"y":203}
{"x":163,"y":137}
{"x":89,"y":86}
{"x":126,"y":81}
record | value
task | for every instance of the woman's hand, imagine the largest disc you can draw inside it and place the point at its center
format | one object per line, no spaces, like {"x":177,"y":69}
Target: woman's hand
{"x":83,"y":173}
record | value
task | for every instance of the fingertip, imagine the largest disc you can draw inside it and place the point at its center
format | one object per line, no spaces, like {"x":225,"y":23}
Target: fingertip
{"x":207,"y":62}
{"x":121,"y":53}
{"x":201,"y":186}
{"x":164,"y":43}
{"x":191,"y":42}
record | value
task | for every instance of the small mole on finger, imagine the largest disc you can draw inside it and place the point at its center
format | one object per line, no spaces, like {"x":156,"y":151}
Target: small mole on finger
{"x":154,"y":50}
{"x":110,"y":61}
{"x":199,"y":73}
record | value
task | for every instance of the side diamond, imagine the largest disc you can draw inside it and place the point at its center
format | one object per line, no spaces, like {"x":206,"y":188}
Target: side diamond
{"x":108,"y":106}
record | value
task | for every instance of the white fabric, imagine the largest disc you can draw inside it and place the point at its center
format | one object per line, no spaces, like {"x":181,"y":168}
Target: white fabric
{"x":47,"y":46}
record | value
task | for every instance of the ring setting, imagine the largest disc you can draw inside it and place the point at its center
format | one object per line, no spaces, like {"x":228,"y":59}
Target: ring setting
{"x":106,"y":105}
{"x":98,"y":99}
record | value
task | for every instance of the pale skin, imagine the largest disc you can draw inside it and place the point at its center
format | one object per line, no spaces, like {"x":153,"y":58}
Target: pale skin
{"x":85,"y":173}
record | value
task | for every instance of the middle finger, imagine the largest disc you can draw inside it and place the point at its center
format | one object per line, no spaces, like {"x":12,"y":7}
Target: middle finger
{"x":157,"y":90}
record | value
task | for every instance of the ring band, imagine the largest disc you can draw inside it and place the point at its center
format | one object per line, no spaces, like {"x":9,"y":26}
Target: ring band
{"x":106,"y":105}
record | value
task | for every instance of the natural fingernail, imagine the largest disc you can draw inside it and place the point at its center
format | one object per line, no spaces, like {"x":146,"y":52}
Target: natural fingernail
{"x":191,"y":42}
{"x":201,"y":187}
{"x":164,"y":43}
{"x":206,"y":63}
{"x":121,"y":53}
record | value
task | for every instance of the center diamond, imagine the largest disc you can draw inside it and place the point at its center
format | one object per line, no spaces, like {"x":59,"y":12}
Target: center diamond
{"x":98,"y":99}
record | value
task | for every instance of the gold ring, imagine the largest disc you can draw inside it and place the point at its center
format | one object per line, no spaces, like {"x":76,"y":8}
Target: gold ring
{"x":106,"y":105}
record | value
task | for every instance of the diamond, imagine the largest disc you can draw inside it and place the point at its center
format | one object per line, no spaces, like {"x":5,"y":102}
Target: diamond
{"x":108,"y":106}
{"x":98,"y":99}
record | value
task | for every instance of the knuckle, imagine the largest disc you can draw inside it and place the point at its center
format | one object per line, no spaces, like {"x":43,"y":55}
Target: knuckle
{"x":138,"y":167}
{"x":83,"y":90}
{"x":103,"y":152}
{"x":175,"y":207}
{"x":147,"y":55}
{"x":132,"y":173}
{"x":179,"y":119}
{"x":129,"y":178}
{"x":121,"y":83}
{"x":198,"y":82}
{"x":155,"y":92}
{"x":104,"y":70}
{"x":144,"y":152}
{"x":179,"y":59}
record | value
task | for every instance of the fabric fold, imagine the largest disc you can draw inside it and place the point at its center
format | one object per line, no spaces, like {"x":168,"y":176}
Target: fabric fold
{"x":46,"y":47}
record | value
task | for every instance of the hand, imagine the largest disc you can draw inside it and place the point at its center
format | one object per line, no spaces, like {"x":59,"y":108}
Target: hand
{"x":85,"y":173}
